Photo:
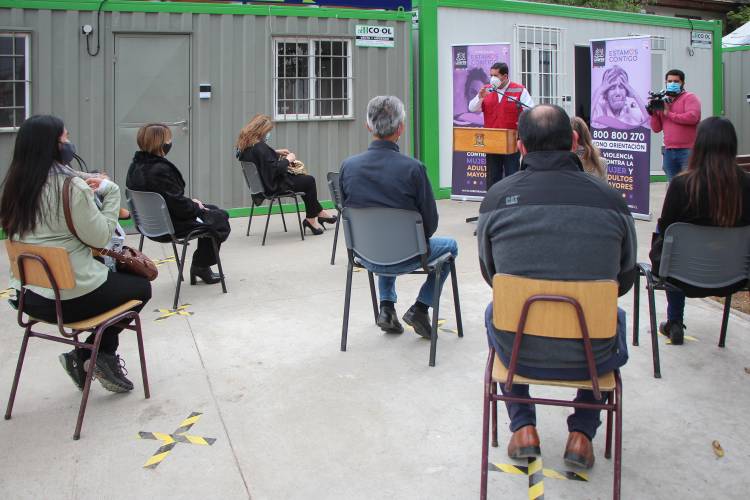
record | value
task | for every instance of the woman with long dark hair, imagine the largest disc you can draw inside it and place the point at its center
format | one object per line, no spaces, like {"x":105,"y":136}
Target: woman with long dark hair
{"x":31,"y":212}
{"x":713,"y":191}
{"x":273,"y":167}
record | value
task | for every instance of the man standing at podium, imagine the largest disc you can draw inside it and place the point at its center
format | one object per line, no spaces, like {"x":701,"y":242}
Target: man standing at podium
{"x":501,"y":103}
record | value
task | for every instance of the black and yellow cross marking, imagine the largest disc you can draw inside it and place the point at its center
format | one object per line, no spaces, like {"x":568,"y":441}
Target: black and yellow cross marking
{"x":8,"y":293}
{"x":170,"y":440}
{"x":164,"y":261}
{"x":536,"y":474}
{"x":168,"y":313}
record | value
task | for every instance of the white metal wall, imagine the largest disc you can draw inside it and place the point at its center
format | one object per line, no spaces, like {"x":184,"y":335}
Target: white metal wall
{"x":737,"y":95}
{"x":461,"y":26}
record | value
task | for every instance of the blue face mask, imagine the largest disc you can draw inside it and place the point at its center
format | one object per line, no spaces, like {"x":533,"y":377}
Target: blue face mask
{"x":674,"y":87}
{"x":268,"y":136}
{"x":67,"y":152}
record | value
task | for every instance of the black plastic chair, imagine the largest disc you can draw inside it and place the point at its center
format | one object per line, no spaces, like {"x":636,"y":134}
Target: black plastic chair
{"x":255,"y":185}
{"x":387,"y":236}
{"x":702,"y":256}
{"x":151,"y":217}
{"x":335,"y":189}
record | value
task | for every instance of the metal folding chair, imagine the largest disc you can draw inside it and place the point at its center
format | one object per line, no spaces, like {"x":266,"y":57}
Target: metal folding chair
{"x":255,"y":185}
{"x":151,"y":216}
{"x":567,"y":310}
{"x":701,"y":256}
{"x":49,"y":267}
{"x":335,"y":189}
{"x":387,"y":236}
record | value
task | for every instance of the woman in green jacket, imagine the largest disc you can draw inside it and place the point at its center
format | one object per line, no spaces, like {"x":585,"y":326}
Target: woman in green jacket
{"x":31,"y":212}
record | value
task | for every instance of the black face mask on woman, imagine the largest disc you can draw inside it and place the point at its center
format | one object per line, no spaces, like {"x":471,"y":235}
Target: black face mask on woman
{"x":67,"y":152}
{"x":166,"y":148}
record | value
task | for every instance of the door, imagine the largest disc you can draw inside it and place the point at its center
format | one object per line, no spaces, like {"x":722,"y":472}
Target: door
{"x":152,"y":84}
{"x":583,"y":82}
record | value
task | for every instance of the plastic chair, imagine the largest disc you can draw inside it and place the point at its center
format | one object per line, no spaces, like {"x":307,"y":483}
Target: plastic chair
{"x":49,"y":267}
{"x":702,"y":256}
{"x":257,"y":189}
{"x":151,"y":216}
{"x":335,"y":189}
{"x":566,"y":310}
{"x":387,"y":236}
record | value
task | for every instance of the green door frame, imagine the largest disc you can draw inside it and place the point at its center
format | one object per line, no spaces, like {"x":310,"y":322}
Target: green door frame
{"x":429,"y":103}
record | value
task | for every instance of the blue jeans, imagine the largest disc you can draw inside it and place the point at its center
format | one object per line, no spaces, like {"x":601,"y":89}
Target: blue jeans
{"x":675,"y":161}
{"x":387,"y":274}
{"x":582,"y":420}
{"x":675,"y":306}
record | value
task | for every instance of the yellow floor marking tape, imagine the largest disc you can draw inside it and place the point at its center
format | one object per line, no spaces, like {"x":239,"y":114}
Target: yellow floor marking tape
{"x":536,"y":479}
{"x":168,"y":313}
{"x":159,"y":262}
{"x":8,"y":293}
{"x":170,"y":440}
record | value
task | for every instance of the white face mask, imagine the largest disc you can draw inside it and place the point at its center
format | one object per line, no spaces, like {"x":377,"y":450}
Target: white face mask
{"x":495,"y":81}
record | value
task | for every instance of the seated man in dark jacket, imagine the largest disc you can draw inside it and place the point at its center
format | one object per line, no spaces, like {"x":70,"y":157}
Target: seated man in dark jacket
{"x":151,"y":171}
{"x":553,"y":221}
{"x":383,"y":177}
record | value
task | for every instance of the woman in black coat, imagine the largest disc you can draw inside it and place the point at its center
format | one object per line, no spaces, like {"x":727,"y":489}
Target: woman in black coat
{"x":151,"y":171}
{"x":713,"y":191}
{"x":273,"y":167}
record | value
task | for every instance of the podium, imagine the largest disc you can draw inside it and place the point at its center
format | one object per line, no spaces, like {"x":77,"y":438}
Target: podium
{"x":501,"y":141}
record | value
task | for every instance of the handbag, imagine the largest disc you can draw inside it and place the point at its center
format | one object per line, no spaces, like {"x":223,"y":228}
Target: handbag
{"x":128,"y":260}
{"x":296,"y":168}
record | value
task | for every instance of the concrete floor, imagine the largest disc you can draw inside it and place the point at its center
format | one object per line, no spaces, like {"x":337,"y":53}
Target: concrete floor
{"x":294,"y":417}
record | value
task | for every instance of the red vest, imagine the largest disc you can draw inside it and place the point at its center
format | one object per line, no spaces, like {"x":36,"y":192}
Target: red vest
{"x":502,"y":113}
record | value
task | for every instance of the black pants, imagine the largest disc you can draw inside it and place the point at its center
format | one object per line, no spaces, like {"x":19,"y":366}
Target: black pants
{"x":118,"y":289}
{"x":499,"y":166}
{"x":214,"y":218}
{"x":306,"y":184}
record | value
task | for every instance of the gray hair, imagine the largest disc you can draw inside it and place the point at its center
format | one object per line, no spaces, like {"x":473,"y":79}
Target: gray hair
{"x":384,"y":115}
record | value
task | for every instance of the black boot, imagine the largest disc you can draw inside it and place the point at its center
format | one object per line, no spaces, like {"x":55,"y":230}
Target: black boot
{"x":204,"y":273}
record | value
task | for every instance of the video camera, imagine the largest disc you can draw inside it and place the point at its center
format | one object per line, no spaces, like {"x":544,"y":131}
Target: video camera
{"x":657,"y":100}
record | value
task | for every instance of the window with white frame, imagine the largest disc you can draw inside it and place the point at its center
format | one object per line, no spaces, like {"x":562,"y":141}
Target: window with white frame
{"x":14,"y":79}
{"x":312,"y":78}
{"x":541,"y":62}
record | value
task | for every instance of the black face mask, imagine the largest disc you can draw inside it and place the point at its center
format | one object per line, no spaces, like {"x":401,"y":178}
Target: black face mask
{"x":166,"y":148}
{"x":67,"y":152}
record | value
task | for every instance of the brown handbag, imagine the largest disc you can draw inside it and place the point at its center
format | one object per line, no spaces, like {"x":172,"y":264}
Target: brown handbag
{"x":128,"y":260}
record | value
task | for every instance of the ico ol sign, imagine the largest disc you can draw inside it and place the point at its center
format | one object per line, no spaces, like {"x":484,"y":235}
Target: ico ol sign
{"x":375,"y":36}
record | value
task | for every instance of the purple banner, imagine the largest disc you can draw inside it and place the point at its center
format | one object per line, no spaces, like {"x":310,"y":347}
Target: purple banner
{"x":620,"y":81}
{"x":471,"y":71}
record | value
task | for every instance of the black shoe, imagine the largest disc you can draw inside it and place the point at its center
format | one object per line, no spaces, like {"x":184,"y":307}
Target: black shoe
{"x":109,"y":371}
{"x":674,"y":331}
{"x":327,"y":220}
{"x":388,"y":320}
{"x":314,"y":230}
{"x":419,"y":321}
{"x":205,"y":274}
{"x":73,"y":366}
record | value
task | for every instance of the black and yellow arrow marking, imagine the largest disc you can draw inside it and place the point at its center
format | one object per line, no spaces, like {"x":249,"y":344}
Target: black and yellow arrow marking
{"x":170,"y":440}
{"x":159,"y":262}
{"x":168,"y":313}
{"x":8,"y":293}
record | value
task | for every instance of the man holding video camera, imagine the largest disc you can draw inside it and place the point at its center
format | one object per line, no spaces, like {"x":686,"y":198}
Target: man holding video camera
{"x":677,"y":112}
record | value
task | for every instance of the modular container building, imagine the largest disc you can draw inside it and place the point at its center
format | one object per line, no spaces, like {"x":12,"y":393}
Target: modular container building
{"x":737,"y":92}
{"x":204,"y":69}
{"x":550,"y":56}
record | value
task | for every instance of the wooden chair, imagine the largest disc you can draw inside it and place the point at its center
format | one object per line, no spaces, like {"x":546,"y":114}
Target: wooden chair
{"x":561,"y":309}
{"x":49,"y":267}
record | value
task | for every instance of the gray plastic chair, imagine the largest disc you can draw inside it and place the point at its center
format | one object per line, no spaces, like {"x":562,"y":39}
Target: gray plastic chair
{"x":256,"y":187}
{"x":701,"y":256}
{"x":335,"y":189}
{"x":151,"y":217}
{"x":387,"y":236}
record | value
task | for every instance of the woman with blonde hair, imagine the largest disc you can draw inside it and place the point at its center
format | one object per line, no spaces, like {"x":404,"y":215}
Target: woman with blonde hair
{"x":591,"y":158}
{"x":273,"y":167}
{"x":151,"y":171}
